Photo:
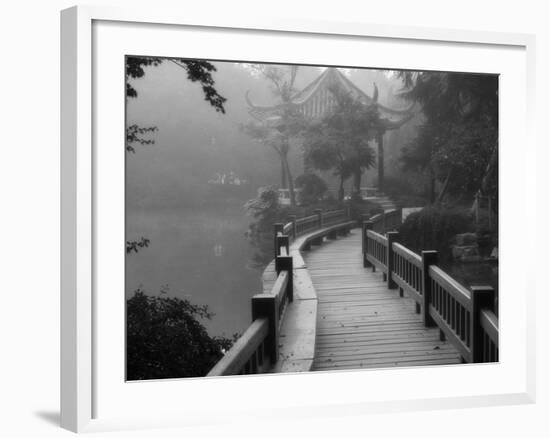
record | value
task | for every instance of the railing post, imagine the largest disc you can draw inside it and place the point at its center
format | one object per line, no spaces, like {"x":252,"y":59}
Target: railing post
{"x":292,"y":219}
{"x":428,"y":258}
{"x":319,"y":214}
{"x":482,"y":297}
{"x":285,"y":263}
{"x":392,"y":237}
{"x":265,"y":306}
{"x":367,"y":225}
{"x":277,"y":228}
{"x":280,"y":241}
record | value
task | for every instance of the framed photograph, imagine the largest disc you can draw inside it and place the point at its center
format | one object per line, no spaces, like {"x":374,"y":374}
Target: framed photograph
{"x":291,"y":211}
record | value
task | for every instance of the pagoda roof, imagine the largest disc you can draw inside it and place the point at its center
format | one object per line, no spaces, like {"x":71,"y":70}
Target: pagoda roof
{"x":316,"y":100}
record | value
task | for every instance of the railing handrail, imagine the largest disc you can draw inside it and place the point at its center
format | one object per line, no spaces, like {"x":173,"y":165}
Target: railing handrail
{"x":489,"y":322}
{"x":249,"y":344}
{"x":464,"y":316}
{"x":453,"y":287}
{"x":377,"y":237}
{"x":261,"y":339}
{"x":409,"y":255}
{"x":304,"y":219}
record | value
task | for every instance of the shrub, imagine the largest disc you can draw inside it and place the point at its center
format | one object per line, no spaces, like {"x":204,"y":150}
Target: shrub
{"x":407,"y":190}
{"x":165,"y":338}
{"x":433,"y":228}
{"x":313,"y":188}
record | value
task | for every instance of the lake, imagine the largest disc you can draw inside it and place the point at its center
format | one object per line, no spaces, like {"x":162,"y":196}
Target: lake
{"x":198,"y":253}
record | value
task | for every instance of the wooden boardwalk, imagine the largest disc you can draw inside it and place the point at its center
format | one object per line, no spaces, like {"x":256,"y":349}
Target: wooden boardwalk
{"x":360,"y":322}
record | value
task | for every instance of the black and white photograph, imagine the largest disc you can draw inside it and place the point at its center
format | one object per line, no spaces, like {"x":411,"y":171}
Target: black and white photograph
{"x":292,"y":218}
{"x":295,"y":218}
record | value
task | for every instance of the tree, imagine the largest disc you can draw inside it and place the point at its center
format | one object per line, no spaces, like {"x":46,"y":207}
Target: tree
{"x":264,"y":209}
{"x":196,"y":71}
{"x":457,"y":144}
{"x":324,"y":152}
{"x":165,"y":338}
{"x":340,"y":141}
{"x":289,"y":124}
{"x":313,"y":188}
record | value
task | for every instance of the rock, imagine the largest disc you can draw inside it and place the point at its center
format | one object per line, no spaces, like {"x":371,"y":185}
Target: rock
{"x":459,"y":252}
{"x":466,"y":239}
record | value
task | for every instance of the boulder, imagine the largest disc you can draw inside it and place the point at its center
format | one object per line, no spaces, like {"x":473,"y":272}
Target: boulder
{"x":466,"y":239}
{"x":464,"y":252}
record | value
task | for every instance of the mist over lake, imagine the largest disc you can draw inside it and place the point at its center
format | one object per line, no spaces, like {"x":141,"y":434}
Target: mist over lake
{"x":198,"y":248}
{"x":370,"y":195}
{"x":198,"y":254}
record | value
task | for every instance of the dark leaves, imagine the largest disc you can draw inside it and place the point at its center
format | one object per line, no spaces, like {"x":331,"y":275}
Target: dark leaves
{"x":165,"y":338}
{"x":197,"y":71}
{"x":459,"y":136}
{"x":134,"y":135}
{"x":136,"y":245}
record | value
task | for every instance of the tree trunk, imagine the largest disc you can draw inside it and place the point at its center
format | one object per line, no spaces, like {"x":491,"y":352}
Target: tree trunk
{"x":357,"y":182}
{"x":341,"y":189}
{"x":290,"y":182}
{"x":444,"y":188}
{"x":489,"y":170}
{"x":380,"y":141}
{"x":432,"y":185}
{"x":283,"y":173}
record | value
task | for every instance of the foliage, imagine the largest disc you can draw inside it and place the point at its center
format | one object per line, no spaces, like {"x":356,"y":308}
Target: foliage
{"x":277,"y":132}
{"x":313,"y":188}
{"x":136,"y":245}
{"x":361,"y":208}
{"x":406,"y":190}
{"x":264,"y":208}
{"x":134,"y":135}
{"x":433,"y":228}
{"x":267,"y":211}
{"x":197,"y":71}
{"x":165,"y":338}
{"x":457,"y":145}
{"x":340,"y":141}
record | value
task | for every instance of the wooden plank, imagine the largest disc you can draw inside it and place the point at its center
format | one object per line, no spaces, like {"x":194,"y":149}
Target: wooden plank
{"x":362,"y":324}
{"x":297,"y":338}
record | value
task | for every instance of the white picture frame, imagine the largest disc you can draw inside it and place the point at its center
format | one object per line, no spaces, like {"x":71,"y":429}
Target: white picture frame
{"x":82,"y":371}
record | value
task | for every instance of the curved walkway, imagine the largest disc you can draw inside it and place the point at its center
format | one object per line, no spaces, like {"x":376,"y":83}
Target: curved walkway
{"x":360,"y":322}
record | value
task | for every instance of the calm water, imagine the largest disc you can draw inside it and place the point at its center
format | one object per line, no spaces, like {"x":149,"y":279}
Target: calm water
{"x":200,"y":254}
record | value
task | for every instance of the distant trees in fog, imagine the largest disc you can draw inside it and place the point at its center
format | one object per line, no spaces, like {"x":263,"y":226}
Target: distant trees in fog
{"x":457,"y":144}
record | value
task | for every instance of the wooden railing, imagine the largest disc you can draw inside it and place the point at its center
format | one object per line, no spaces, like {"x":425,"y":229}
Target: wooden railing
{"x":385,"y":221}
{"x":465,"y":317}
{"x":297,"y":227}
{"x":257,"y":350}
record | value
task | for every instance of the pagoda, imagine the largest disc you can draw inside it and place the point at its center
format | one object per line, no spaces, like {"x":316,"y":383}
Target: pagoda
{"x":317,"y":100}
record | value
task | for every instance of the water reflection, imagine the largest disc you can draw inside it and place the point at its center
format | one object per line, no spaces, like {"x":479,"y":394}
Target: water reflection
{"x":201,"y":254}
